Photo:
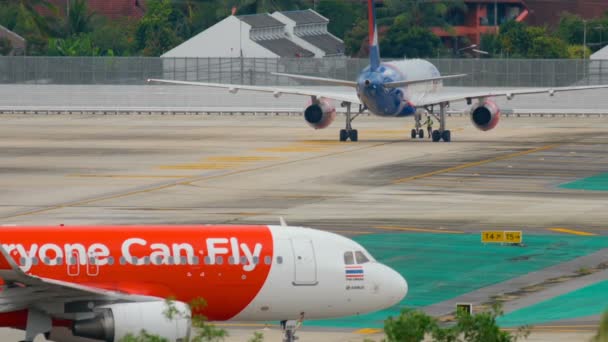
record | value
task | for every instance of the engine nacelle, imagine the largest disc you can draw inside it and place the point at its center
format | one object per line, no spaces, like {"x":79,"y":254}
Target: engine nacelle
{"x":116,"y":321}
{"x":485,"y":115}
{"x":320,"y":114}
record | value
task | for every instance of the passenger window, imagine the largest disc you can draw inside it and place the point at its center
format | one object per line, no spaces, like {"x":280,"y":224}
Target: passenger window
{"x":244,"y":260}
{"x":361,"y":258}
{"x":219,"y":260}
{"x":349,"y":259}
{"x":195,"y":260}
{"x":279,"y":260}
{"x":267,"y":260}
{"x":256,"y":260}
{"x":231,"y":260}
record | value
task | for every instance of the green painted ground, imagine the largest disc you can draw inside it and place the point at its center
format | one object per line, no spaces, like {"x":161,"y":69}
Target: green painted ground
{"x":595,"y":183}
{"x":590,"y":300}
{"x":442,"y":266}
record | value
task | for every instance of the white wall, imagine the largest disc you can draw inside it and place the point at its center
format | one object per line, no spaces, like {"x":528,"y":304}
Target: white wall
{"x":221,"y":40}
{"x":289,"y":27}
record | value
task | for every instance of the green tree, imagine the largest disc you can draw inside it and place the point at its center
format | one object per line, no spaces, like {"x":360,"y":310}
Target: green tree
{"x":341,"y":14}
{"x":155,"y":34}
{"x":77,"y":45}
{"x":355,"y":38}
{"x":548,"y":47}
{"x":406,"y":40}
{"x":25,"y":18}
{"x":5,"y":46}
{"x":409,"y":326}
{"x":571,"y":28}
{"x":78,"y":19}
{"x":577,"y":51}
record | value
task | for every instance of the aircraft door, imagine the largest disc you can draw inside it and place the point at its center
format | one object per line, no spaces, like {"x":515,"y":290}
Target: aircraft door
{"x":73,"y":264}
{"x":305,"y":262}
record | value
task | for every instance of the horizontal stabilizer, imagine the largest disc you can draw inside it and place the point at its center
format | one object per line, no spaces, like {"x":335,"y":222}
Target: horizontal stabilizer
{"x":329,"y":81}
{"x":423,"y":80}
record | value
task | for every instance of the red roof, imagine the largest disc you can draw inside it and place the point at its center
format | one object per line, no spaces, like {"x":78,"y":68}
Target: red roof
{"x":110,"y":8}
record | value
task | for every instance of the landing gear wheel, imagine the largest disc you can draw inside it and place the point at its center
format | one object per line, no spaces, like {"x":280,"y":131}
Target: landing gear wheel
{"x":413,"y":134}
{"x":343,"y":135}
{"x":436,"y":136}
{"x":421,"y":134}
{"x":354,"y":135}
{"x":446,"y":136}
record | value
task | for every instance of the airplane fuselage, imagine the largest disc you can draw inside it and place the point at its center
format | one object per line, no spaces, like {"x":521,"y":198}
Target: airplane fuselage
{"x":396,"y":102}
{"x":242,"y":272}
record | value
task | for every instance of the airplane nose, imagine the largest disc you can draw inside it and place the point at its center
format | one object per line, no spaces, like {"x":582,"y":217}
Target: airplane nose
{"x":396,"y":287}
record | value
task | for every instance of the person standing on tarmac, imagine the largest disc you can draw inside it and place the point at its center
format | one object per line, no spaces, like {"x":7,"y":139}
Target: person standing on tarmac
{"x":429,"y":125}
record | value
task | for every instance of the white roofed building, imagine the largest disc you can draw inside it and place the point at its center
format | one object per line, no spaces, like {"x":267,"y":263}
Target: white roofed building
{"x":257,"y":35}
{"x":601,"y":53}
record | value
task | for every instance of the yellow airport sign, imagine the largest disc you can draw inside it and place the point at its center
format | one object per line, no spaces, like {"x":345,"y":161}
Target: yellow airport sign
{"x":499,"y":236}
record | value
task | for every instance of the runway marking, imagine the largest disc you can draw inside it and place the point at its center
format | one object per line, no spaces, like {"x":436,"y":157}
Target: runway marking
{"x":198,"y":166}
{"x":218,"y":163}
{"x":419,"y":230}
{"x":240,"y":159}
{"x":572,"y":231}
{"x":125,"y":176}
{"x":187,"y":181}
{"x":368,"y":331}
{"x":472,"y":164}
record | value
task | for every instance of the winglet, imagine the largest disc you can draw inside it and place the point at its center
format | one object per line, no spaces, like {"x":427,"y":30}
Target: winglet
{"x":282,"y":220}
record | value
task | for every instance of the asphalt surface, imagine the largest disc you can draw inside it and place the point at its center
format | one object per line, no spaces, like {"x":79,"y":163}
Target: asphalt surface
{"x":94,"y":169}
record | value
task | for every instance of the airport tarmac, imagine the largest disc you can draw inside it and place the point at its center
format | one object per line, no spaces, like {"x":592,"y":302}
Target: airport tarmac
{"x":178,"y":169}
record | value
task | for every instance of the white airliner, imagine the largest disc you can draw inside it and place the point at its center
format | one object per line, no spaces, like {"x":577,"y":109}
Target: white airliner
{"x":104,"y":282}
{"x":391,"y":89}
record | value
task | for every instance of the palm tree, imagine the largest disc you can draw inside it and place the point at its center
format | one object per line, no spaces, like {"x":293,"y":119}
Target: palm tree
{"x":78,"y":19}
{"x":30,"y":20}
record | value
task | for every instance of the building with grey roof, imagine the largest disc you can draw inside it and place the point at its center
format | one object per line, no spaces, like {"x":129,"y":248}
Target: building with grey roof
{"x":309,"y":29}
{"x":257,"y":35}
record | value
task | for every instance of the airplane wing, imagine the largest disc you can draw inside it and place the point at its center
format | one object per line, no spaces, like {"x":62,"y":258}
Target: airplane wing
{"x":330,"y":81}
{"x":422,"y":80}
{"x":276,"y":91}
{"x":23,"y":290}
{"x":437,"y":98}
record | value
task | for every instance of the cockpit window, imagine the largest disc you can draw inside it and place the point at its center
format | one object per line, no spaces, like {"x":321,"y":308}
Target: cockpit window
{"x":349,"y":258}
{"x":361,"y":258}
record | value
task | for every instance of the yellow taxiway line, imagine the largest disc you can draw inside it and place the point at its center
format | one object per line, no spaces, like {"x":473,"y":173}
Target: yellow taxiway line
{"x":411,"y":229}
{"x":477,"y":163}
{"x":572,"y":231}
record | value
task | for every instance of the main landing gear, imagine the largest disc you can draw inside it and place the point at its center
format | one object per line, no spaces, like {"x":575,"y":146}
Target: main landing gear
{"x":417,"y":132}
{"x":349,"y":132}
{"x":441,"y":133}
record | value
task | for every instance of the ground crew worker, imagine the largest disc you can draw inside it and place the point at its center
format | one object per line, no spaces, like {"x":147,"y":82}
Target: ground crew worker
{"x":429,"y":125}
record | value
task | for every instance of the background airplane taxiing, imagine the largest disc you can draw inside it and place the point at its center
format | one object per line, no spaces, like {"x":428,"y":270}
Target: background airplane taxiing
{"x":391,"y":89}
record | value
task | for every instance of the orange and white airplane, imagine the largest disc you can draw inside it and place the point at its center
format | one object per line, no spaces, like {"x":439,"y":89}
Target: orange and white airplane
{"x":108,"y":281}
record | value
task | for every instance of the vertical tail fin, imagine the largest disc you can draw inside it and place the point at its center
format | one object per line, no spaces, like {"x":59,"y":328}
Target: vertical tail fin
{"x":374,"y":49}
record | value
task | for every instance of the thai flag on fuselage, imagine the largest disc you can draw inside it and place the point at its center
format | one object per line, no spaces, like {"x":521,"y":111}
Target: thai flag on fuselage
{"x":354,"y":272}
{"x":374,"y":49}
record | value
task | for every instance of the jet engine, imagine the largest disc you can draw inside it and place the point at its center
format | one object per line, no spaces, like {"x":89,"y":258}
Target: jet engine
{"x":116,"y":321}
{"x":485,"y":115}
{"x":320,"y":113}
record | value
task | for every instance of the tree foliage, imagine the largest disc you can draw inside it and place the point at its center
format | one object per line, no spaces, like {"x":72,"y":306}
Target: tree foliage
{"x":414,"y":326}
{"x":5,"y":46}
{"x":155,"y":34}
